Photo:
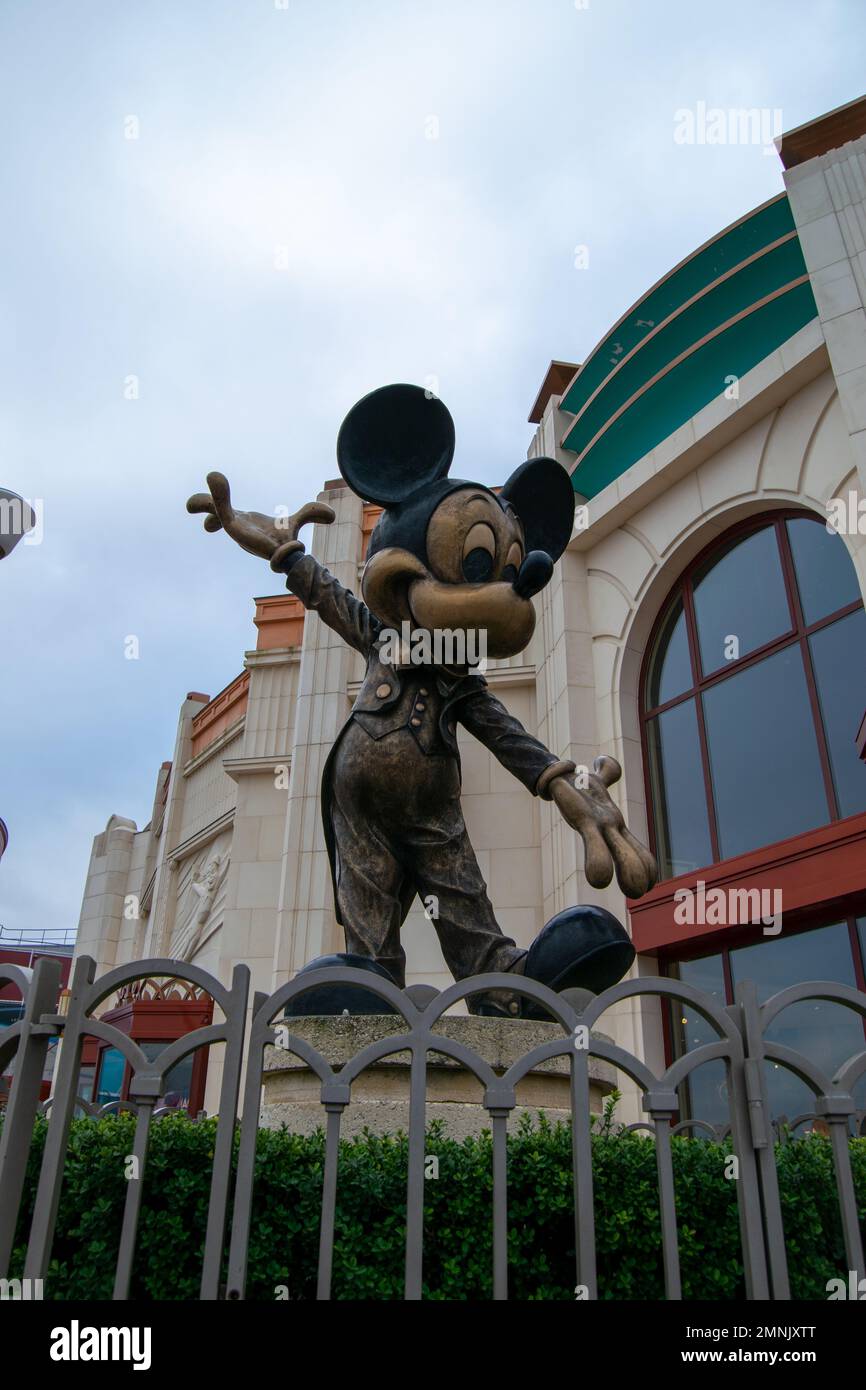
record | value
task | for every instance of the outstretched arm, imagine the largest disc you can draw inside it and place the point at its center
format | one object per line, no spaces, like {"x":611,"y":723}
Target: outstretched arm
{"x":276,"y":540}
{"x":608,"y":843}
{"x":525,"y":757}
{"x":336,"y":605}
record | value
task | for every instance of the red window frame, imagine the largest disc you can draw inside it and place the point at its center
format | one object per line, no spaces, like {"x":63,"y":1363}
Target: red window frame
{"x":821,"y":872}
{"x":155,"y":1020}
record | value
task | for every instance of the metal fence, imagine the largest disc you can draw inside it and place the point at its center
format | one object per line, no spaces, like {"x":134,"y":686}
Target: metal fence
{"x":741,"y":1044}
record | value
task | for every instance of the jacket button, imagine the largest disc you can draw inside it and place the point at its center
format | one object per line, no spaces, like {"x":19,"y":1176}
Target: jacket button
{"x":422,"y":691}
{"x":415,"y":722}
{"x":383,"y":691}
{"x":419,"y":705}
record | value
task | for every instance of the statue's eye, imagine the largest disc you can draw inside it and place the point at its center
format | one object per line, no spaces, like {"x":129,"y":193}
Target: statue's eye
{"x":479,"y":553}
{"x":478,"y":566}
{"x":513,"y":561}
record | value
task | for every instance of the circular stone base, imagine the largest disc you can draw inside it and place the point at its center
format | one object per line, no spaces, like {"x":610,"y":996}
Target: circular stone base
{"x":380,"y":1095}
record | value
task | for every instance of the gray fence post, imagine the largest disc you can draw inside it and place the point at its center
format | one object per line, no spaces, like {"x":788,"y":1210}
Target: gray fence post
{"x":663,"y":1106}
{"x":54,"y":1156}
{"x":217,"y":1214}
{"x":758,"y":1104}
{"x":749,"y":1209}
{"x":28,"y":1041}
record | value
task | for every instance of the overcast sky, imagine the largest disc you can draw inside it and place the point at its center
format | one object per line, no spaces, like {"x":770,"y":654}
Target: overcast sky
{"x":284,"y":235}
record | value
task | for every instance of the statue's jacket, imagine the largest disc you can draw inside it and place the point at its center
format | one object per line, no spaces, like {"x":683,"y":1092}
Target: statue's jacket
{"x":427,"y":701}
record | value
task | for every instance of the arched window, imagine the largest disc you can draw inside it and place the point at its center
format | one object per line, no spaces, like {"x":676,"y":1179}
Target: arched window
{"x":752,"y":693}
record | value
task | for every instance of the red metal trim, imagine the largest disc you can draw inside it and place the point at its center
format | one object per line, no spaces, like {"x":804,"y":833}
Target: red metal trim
{"x":856,"y":952}
{"x":793,"y":592}
{"x":798,"y":633}
{"x":752,"y":658}
{"x":156,"y":1020}
{"x":695,"y":656}
{"x":816,"y":869}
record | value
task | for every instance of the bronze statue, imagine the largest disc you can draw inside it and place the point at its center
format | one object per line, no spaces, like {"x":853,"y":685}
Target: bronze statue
{"x":446,"y":557}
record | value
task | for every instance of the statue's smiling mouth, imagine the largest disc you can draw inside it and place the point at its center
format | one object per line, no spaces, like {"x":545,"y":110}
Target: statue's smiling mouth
{"x":398,"y":587}
{"x":494,"y":610}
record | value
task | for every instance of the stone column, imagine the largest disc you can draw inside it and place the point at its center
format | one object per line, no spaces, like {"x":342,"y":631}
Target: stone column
{"x":828,"y":199}
{"x":163,"y":901}
{"x":306,"y":926}
{"x":101,"y":923}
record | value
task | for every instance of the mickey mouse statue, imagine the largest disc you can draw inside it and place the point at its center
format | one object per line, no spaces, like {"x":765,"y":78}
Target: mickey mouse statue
{"x":446,"y":556}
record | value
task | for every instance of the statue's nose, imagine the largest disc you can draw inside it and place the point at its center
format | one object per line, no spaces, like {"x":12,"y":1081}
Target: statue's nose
{"x":534,"y":573}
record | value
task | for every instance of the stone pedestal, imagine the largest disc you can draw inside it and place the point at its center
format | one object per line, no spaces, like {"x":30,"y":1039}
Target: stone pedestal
{"x":380,"y":1095}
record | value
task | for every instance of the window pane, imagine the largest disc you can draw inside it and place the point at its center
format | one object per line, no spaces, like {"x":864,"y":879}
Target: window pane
{"x":705,"y":1095}
{"x":10,"y":1011}
{"x":679,"y":798}
{"x":85,"y":1081}
{"x":741,"y":595}
{"x":670,"y":671}
{"x":110,"y":1075}
{"x":828,"y":1034}
{"x":766,"y":773}
{"x":839,"y":658}
{"x":825,"y":574}
{"x":176,"y":1086}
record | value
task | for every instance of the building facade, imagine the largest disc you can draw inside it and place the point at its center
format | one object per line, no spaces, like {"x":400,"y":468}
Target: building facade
{"x":705,"y":627}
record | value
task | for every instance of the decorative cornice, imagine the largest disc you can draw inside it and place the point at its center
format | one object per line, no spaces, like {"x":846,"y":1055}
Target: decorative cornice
{"x":557,"y":379}
{"x":225,"y":709}
{"x":201,"y":838}
{"x":147,"y":896}
{"x":828,"y":132}
{"x":245,"y":767}
{"x":225,"y":738}
{"x":272,"y":656}
{"x":280,"y":621}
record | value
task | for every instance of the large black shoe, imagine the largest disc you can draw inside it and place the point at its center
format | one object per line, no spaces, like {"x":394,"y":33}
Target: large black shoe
{"x":580,"y":948}
{"x":340,"y":998}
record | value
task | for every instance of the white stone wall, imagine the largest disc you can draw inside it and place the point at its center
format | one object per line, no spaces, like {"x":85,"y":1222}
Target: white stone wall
{"x":208,"y":792}
{"x":828,"y":199}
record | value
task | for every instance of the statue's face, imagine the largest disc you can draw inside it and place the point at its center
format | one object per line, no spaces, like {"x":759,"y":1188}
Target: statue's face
{"x":468,"y":579}
{"x":448,"y":555}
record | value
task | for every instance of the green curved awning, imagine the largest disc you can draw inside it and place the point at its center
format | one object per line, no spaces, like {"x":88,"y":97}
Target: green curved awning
{"x":670,"y":354}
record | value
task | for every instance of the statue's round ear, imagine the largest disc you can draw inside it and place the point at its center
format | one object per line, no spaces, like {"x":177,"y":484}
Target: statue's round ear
{"x":541,"y":493}
{"x":394,"y":441}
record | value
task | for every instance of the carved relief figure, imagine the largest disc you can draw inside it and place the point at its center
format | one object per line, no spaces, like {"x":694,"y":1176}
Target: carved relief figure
{"x":204,"y":891}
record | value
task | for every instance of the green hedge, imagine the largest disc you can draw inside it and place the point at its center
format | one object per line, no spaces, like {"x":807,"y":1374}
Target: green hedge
{"x":368,"y":1257}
